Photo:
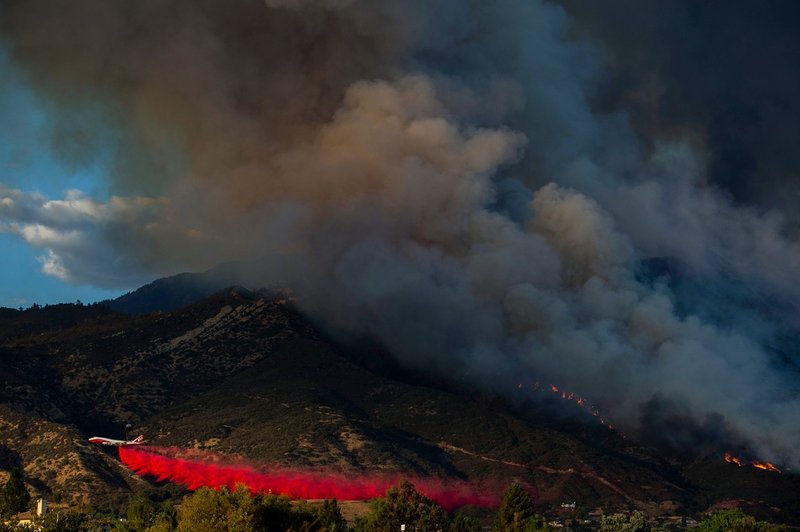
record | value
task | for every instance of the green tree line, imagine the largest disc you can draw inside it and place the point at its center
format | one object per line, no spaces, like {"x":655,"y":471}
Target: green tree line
{"x":209,"y":510}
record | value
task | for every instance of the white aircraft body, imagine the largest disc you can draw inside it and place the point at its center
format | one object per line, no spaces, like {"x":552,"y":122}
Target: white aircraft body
{"x":117,"y":443}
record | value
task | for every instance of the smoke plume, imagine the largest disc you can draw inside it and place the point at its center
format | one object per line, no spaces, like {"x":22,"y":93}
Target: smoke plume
{"x":438,"y":176}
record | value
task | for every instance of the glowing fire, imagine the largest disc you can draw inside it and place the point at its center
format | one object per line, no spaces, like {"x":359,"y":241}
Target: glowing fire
{"x":766,"y":466}
{"x":733,"y":459}
{"x":565,"y":395}
{"x":588,"y":407}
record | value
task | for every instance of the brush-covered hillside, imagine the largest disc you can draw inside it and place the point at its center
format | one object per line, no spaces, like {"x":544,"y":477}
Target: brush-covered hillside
{"x":245,"y":373}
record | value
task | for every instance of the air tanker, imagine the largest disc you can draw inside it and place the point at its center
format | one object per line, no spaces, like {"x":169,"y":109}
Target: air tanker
{"x":117,"y":443}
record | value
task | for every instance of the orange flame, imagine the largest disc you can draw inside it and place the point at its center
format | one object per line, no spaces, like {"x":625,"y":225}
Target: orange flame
{"x":732,"y":459}
{"x":766,"y":466}
{"x":581,"y":402}
{"x":572,"y":397}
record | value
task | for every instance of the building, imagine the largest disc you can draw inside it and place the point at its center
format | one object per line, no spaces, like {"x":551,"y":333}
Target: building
{"x":26,"y":518}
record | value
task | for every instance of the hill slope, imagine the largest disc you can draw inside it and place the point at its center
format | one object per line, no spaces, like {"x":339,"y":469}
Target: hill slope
{"x":245,"y":373}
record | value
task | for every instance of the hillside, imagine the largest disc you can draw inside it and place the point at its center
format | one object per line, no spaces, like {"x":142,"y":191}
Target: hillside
{"x":244,"y":373}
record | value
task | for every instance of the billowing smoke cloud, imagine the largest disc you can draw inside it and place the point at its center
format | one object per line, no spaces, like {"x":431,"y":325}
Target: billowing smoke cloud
{"x":726,"y":77}
{"x":434,"y":176}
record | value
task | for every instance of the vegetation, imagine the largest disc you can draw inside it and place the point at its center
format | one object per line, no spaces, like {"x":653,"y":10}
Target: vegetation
{"x":330,"y":517}
{"x":311,"y":392}
{"x":217,"y":510}
{"x":403,"y":505}
{"x":264,"y":369}
{"x":15,"y":497}
{"x":736,"y":520}
{"x":465,"y":523}
{"x":634,"y":522}
{"x":517,"y":512}
{"x":72,"y":521}
{"x":144,"y":514}
{"x":209,"y":510}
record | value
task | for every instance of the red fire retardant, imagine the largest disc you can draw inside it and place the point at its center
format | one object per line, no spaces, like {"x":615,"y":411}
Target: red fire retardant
{"x":197,"y":469}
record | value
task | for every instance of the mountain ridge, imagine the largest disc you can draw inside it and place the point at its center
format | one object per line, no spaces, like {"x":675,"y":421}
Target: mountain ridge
{"x":245,"y":373}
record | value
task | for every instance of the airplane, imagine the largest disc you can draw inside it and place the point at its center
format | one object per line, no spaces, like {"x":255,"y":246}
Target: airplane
{"x":117,"y":443}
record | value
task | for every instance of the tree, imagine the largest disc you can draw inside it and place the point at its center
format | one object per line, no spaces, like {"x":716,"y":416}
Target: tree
{"x":735,"y":520}
{"x":728,"y":520}
{"x":403,"y":505}
{"x":206,"y":510}
{"x":465,"y":523}
{"x":162,"y":525}
{"x":71,"y":521}
{"x":15,"y":497}
{"x":634,"y":522}
{"x":517,"y":512}
{"x":330,"y":518}
{"x":141,"y":512}
{"x":276,"y":513}
{"x":536,"y":523}
{"x":166,"y":518}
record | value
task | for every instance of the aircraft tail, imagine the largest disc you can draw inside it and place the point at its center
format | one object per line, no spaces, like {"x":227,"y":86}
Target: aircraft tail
{"x":139,"y":439}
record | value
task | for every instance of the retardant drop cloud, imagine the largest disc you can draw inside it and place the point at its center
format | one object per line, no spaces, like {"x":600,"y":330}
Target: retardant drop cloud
{"x":198,"y":469}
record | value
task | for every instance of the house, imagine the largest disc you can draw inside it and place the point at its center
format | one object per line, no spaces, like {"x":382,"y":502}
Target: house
{"x":26,"y":519}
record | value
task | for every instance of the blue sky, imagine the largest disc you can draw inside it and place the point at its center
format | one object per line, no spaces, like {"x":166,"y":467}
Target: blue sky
{"x":26,"y":163}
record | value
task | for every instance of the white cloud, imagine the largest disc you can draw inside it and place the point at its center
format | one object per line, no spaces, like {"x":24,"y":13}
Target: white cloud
{"x":53,"y":265}
{"x":84,"y":239}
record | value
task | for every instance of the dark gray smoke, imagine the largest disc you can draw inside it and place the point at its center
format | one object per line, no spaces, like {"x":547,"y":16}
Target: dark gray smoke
{"x":442,"y":176}
{"x":724,"y":76}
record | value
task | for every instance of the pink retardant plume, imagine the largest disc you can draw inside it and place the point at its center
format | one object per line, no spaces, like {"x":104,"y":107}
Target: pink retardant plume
{"x":198,"y":469}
